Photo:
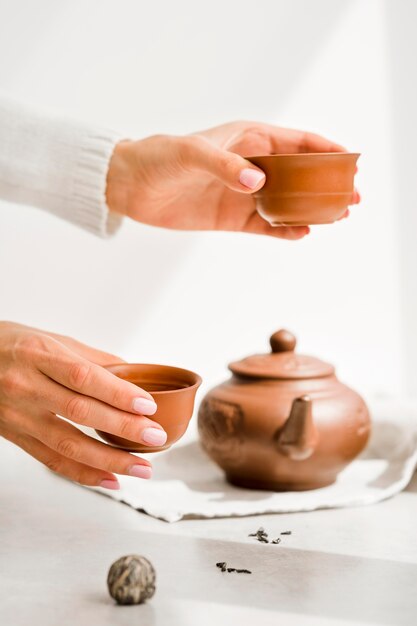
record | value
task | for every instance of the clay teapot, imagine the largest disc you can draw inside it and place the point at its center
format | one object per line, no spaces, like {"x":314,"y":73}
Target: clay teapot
{"x":283,"y":421}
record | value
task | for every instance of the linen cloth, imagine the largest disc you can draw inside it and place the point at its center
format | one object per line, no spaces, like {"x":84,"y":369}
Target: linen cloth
{"x":186,"y":483}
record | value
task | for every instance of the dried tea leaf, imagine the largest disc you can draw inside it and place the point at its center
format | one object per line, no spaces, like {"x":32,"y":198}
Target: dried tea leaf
{"x":261,"y":535}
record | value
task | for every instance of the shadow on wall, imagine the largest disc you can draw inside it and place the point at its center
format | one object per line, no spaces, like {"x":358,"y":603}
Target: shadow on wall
{"x":402,"y":48}
{"x":70,"y":282}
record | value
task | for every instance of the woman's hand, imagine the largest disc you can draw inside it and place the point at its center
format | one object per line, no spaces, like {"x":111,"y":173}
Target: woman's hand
{"x":43,"y":375}
{"x":202,"y":181}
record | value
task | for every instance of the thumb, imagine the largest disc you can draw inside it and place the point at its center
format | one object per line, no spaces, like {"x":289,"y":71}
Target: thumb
{"x":230,"y":168}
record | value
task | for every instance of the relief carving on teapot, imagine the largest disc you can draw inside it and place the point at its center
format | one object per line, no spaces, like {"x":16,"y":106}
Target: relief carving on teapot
{"x":220,"y":429}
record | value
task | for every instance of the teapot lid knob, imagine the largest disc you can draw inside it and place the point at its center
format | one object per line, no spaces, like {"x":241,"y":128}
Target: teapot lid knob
{"x":283,"y":341}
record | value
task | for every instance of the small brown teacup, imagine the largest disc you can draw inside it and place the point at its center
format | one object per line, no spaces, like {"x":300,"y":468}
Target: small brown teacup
{"x":304,"y":189}
{"x":173,"y":390}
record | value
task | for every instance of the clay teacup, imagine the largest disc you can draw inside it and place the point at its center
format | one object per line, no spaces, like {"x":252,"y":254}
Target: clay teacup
{"x":173,"y":390}
{"x":303,"y":189}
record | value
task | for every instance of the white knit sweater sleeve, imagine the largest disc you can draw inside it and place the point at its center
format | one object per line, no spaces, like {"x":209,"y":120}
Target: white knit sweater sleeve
{"x":56,"y":164}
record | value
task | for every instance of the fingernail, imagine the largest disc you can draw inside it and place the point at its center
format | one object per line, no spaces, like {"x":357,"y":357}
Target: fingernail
{"x":140,"y":471}
{"x":144,"y":406}
{"x":110,"y":484}
{"x":251,"y":178}
{"x":154,"y":436}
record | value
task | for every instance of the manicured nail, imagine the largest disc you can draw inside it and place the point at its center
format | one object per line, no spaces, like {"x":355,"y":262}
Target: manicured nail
{"x":140,"y":471}
{"x":251,"y":178}
{"x":110,"y":484}
{"x":144,"y":406}
{"x":154,"y":436}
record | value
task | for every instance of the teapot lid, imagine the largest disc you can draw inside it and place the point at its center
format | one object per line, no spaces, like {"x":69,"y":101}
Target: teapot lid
{"x":282,"y":362}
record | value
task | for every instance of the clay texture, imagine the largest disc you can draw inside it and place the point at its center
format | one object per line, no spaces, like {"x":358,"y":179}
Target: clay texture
{"x":283,"y":421}
{"x":305,"y":189}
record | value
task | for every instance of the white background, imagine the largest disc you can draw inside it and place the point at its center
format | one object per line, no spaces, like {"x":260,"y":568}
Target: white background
{"x":343,"y":68}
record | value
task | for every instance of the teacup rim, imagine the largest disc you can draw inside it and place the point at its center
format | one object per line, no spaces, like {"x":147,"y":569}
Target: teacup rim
{"x":195,"y":385}
{"x":303,"y":154}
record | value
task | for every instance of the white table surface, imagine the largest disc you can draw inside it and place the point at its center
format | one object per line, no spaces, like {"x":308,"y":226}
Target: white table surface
{"x":57,"y":541}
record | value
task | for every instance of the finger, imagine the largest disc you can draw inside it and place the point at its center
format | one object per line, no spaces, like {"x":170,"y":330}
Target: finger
{"x":290,"y":233}
{"x":67,"y":368}
{"x":92,"y":354}
{"x":78,"y":472}
{"x":96,"y":356}
{"x":87,"y":411}
{"x":238,"y":174}
{"x":71,"y":443}
{"x":291,"y":140}
{"x":344,"y":216}
{"x":256,"y":225}
{"x":356,"y":197}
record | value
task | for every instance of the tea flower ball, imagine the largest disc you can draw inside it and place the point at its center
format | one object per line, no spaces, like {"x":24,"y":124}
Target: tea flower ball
{"x":131,"y":580}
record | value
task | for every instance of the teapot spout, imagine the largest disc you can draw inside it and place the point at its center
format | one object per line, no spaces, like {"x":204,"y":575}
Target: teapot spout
{"x":298,"y":438}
